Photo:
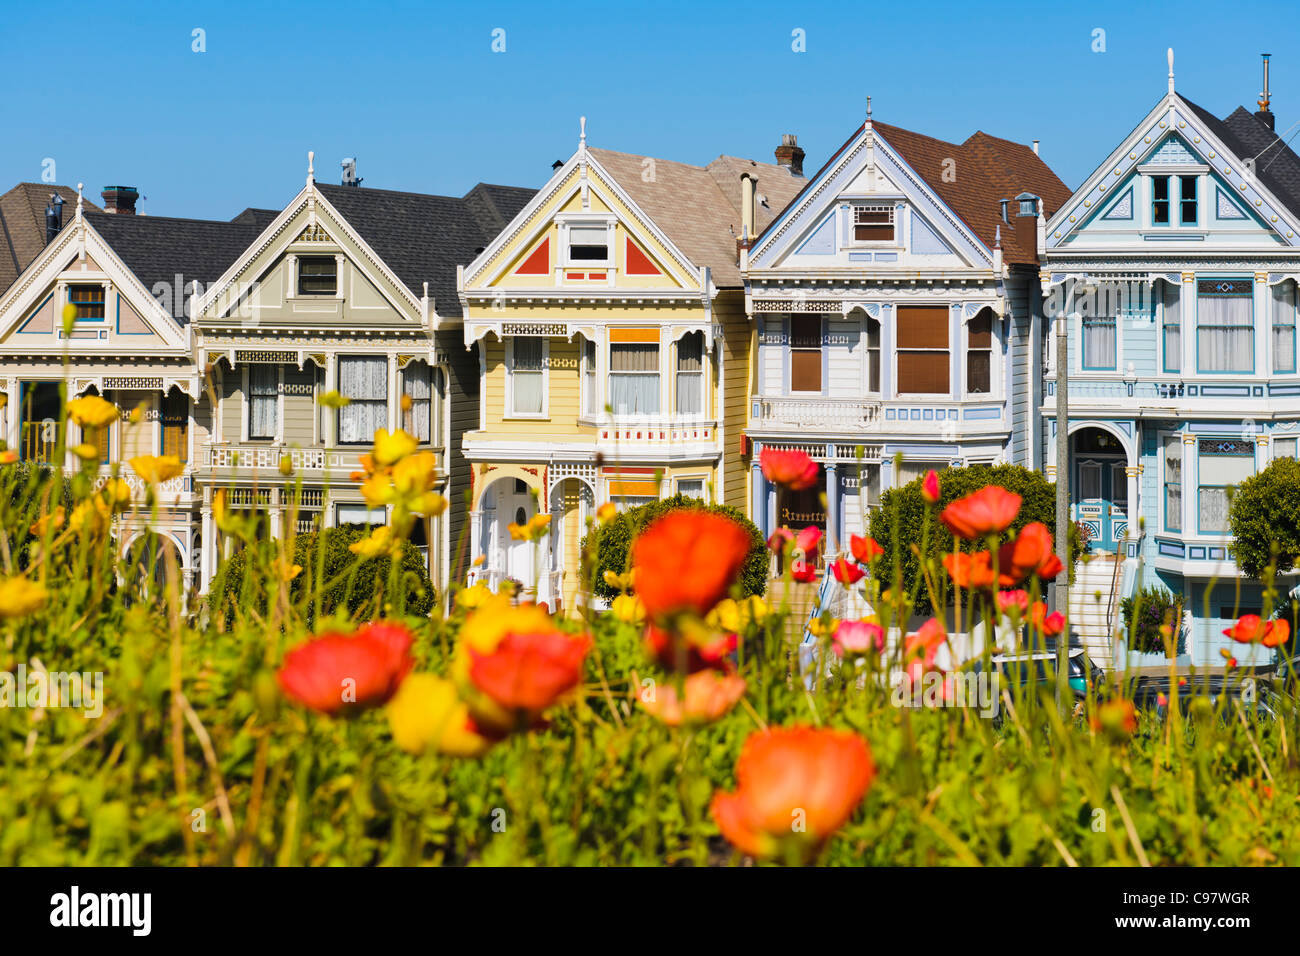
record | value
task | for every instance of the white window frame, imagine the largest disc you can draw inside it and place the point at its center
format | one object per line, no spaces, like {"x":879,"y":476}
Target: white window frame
{"x":877,"y":206}
{"x":665,"y":383}
{"x":1161,"y":439}
{"x":590,"y":379}
{"x":994,"y":351}
{"x":702,"y":479}
{"x":593,"y":221}
{"x":380,"y":513}
{"x":510,"y":412}
{"x":704,"y":376}
{"x":247,"y":412}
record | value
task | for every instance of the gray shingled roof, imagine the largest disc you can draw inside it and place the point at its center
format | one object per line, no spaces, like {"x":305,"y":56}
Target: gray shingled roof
{"x":1277,"y":167}
{"x":22,"y":225}
{"x":424,"y":238}
{"x":158,"y":248}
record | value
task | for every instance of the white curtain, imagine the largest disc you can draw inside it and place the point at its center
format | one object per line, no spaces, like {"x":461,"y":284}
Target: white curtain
{"x":1173,"y":328}
{"x":363,"y":380}
{"x":690,"y":374}
{"x":634,"y":379}
{"x":417,"y":379}
{"x":1218,"y":473}
{"x":527,"y":375}
{"x":263,"y":400}
{"x":1174,"y":483}
{"x":1099,"y":342}
{"x":1225,"y":334}
{"x":1284,"y":326}
{"x":593,"y":396}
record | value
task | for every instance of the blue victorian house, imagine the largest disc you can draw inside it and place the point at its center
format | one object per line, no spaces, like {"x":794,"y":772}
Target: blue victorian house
{"x":1174,"y":267}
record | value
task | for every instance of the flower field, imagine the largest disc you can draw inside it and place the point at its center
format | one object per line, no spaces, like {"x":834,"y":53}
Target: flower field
{"x":676,"y":728}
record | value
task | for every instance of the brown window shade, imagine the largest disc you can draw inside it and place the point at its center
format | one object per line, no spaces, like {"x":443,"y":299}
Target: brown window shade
{"x":923,"y":372}
{"x":805,"y":331}
{"x":88,"y":300}
{"x":805,"y":371}
{"x":922,"y":327}
{"x":873,"y":224}
{"x":874,"y":233}
{"x":175,"y":426}
{"x":981,"y":331}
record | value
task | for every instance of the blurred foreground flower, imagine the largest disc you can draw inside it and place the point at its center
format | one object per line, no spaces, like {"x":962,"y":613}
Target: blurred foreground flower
{"x":426,"y":714}
{"x":1116,"y":718}
{"x":794,"y":788}
{"x":380,"y":541}
{"x":857,"y":638}
{"x":535,"y":529}
{"x":790,"y":469}
{"x":987,"y":511}
{"x":692,"y":647}
{"x":91,"y":411}
{"x":20,"y":597}
{"x":337,"y":673}
{"x":155,"y":469}
{"x":709,"y":695}
{"x":687,"y":561}
{"x":1252,"y":629}
{"x":930,"y":487}
{"x":628,"y":609}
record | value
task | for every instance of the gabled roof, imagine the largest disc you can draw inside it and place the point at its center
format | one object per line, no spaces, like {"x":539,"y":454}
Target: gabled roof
{"x":698,"y":207}
{"x":423,"y":238}
{"x":22,"y":225}
{"x":159,"y":248}
{"x":1277,"y":166}
{"x":988,"y":170}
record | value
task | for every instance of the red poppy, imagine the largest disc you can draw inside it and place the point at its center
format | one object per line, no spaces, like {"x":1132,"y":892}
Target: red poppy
{"x":1050,"y":624}
{"x":334,"y":672}
{"x":865,"y":549}
{"x":970,"y":571}
{"x":1118,"y":718}
{"x":804,"y":572}
{"x":794,"y":788}
{"x":708,"y":696}
{"x":857,"y":637}
{"x":1013,"y":599}
{"x":987,"y":511}
{"x":930,"y":487}
{"x":702,"y":649}
{"x":1252,"y":629}
{"x":686,"y":561}
{"x":790,"y":469}
{"x":808,"y":541}
{"x":527,"y":673}
{"x":846,"y":572}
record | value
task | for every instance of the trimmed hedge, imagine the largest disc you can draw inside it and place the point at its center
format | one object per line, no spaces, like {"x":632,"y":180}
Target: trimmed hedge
{"x":355,"y":582}
{"x":906,"y":505}
{"x":1264,"y":515}
{"x":613,"y":541}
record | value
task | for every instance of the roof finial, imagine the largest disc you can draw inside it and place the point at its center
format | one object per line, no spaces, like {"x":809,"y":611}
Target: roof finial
{"x":1170,"y":56}
{"x":582,"y":132}
{"x":80,"y":187}
{"x":997,"y":237}
{"x":868,"y":109}
{"x":311,"y":167}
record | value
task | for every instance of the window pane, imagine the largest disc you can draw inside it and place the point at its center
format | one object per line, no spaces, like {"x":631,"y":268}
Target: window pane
{"x":633,"y":357}
{"x":263,"y":400}
{"x":363,"y":380}
{"x":527,"y":388}
{"x":1160,"y":200}
{"x":1187,"y":200}
{"x":317,"y":275}
{"x":1284,"y":448}
{"x":978,"y":371}
{"x":922,"y":327}
{"x":923,"y":372}
{"x":980,"y":331}
{"x":806,"y":370}
{"x":1225,"y":336}
{"x":1283,"y":311}
{"x":1173,"y":333}
{"x":417,"y":385}
{"x":588,"y":243}
{"x":634,"y":393}
{"x":528,"y":354}
{"x":1098,"y":342}
{"x":1173,"y":453}
{"x":690,"y":352}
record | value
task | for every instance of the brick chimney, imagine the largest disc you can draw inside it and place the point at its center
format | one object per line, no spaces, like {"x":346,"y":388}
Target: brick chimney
{"x":789,"y":155}
{"x":120,"y":199}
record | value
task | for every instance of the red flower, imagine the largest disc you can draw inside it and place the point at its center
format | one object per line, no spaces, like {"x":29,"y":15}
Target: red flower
{"x":527,"y":673}
{"x":340,"y":672}
{"x":686,"y":561}
{"x":794,"y":788}
{"x":702,"y":649}
{"x":1030,"y":553}
{"x":930,"y":487}
{"x":804,"y":572}
{"x":1050,"y":624}
{"x":1013,"y":599}
{"x":987,"y":511}
{"x":808,"y":541}
{"x":1276,"y":633}
{"x":1118,"y":718}
{"x":970,"y":571}
{"x":846,"y":572}
{"x":779,"y":538}
{"x":857,"y":637}
{"x":864,"y":549}
{"x":790,"y":469}
{"x":708,"y":696}
{"x":1251,"y":629}
{"x":921,"y":649}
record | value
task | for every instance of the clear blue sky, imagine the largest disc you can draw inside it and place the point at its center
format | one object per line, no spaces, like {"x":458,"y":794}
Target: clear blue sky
{"x":115,"y":94}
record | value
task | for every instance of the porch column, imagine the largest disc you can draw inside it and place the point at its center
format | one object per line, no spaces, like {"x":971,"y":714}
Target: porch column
{"x":207,"y":544}
{"x":833,"y":506}
{"x":772,"y":516}
{"x":475,"y":538}
{"x":394,"y":395}
{"x":1132,"y":472}
{"x":758,"y":506}
{"x":329,"y":435}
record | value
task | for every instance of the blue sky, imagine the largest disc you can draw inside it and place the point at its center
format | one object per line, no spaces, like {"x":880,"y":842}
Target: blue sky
{"x":415,"y":92}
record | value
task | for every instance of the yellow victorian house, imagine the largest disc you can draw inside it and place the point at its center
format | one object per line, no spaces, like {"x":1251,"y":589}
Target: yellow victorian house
{"x":614,"y":350}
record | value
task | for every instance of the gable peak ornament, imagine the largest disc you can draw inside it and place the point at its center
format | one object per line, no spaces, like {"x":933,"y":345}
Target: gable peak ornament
{"x":1169,"y":54}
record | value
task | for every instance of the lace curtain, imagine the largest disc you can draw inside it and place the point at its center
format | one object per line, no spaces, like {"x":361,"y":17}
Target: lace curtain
{"x":1225,"y":334}
{"x":1284,"y":326}
{"x":634,"y":379}
{"x":363,"y":380}
{"x":263,"y":400}
{"x":690,"y":374}
{"x":527,"y":376}
{"x":417,"y":386}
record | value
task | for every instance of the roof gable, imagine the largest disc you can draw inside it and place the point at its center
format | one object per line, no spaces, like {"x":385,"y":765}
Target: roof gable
{"x":22,"y":224}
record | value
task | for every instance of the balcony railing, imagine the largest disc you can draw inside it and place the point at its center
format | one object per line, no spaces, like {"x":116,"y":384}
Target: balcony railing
{"x":39,"y":441}
{"x":263,"y":457}
{"x":656,"y":432}
{"x":814,"y":412}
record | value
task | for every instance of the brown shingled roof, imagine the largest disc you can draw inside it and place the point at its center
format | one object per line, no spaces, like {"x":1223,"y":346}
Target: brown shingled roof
{"x":988,"y":170}
{"x":698,"y":207}
{"x":22,"y":225}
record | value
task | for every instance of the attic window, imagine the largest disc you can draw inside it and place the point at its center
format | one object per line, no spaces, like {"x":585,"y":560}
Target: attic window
{"x":88,"y":300}
{"x":588,"y":244}
{"x":873,"y":223}
{"x":318,"y":275}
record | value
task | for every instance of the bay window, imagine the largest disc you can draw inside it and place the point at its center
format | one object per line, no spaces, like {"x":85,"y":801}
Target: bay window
{"x":363,"y":381}
{"x":1173,"y":482}
{"x":806,"y":353}
{"x":923,"y":350}
{"x":690,"y":374}
{"x":527,"y":368}
{"x":1283,"y":314}
{"x":1223,"y":463}
{"x":417,"y":389}
{"x":1171,"y":326}
{"x":979,"y":354}
{"x":634,"y":371}
{"x":1225,"y":325}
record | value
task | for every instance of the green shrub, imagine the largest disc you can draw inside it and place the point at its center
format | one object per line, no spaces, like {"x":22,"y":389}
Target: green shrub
{"x":1145,"y":612}
{"x":614,"y":539}
{"x":352,"y":583}
{"x":901,"y":521}
{"x":1264,"y":516}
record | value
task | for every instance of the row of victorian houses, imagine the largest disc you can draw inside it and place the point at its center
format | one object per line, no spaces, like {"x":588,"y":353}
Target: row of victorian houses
{"x":641,"y":327}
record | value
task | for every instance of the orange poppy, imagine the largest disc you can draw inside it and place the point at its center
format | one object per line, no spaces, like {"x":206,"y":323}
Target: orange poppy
{"x":790,"y":469}
{"x":687,"y":561}
{"x":970,"y":571}
{"x":865,"y":549}
{"x":708,"y":696}
{"x":337,"y":673}
{"x":987,"y":511}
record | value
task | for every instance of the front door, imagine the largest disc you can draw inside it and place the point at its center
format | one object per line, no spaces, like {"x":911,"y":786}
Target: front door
{"x":1101,"y":504}
{"x":516,"y":507}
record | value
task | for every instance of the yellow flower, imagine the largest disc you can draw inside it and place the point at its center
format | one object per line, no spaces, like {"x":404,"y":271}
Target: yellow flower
{"x":137,"y":414}
{"x":536,"y":528}
{"x":629,"y":609}
{"x":42,"y":524}
{"x":607,"y":512}
{"x":470,"y":598}
{"x":286,"y":465}
{"x":426,"y":714}
{"x":285,"y":570}
{"x":620,"y":582}
{"x":732,"y":615}
{"x":91,"y":411}
{"x":19,"y":597}
{"x":820,"y":628}
{"x":389,"y":449}
{"x":116,"y":494}
{"x":155,"y":469}
{"x":69,"y":318}
{"x":90,"y":515}
{"x":332,"y":399}
{"x":8,"y":456}
{"x":85,"y":451}
{"x":380,"y":541}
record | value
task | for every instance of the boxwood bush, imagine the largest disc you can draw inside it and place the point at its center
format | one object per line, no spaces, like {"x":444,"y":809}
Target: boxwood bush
{"x":610,"y":544}
{"x":901,"y":520}
{"x":353,"y":583}
{"x":1265,"y":518}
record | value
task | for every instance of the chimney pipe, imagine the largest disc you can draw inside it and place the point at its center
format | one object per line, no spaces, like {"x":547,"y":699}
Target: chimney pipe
{"x":120,"y":199}
{"x":790,"y":155}
{"x":53,"y":217}
{"x":748,"y":210}
{"x":1035,"y":147}
{"x":1265,"y":115}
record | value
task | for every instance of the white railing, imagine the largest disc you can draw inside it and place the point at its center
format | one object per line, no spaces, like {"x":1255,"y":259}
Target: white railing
{"x":263,"y":457}
{"x":181,"y":484}
{"x":814,"y":412}
{"x":658,"y":432}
